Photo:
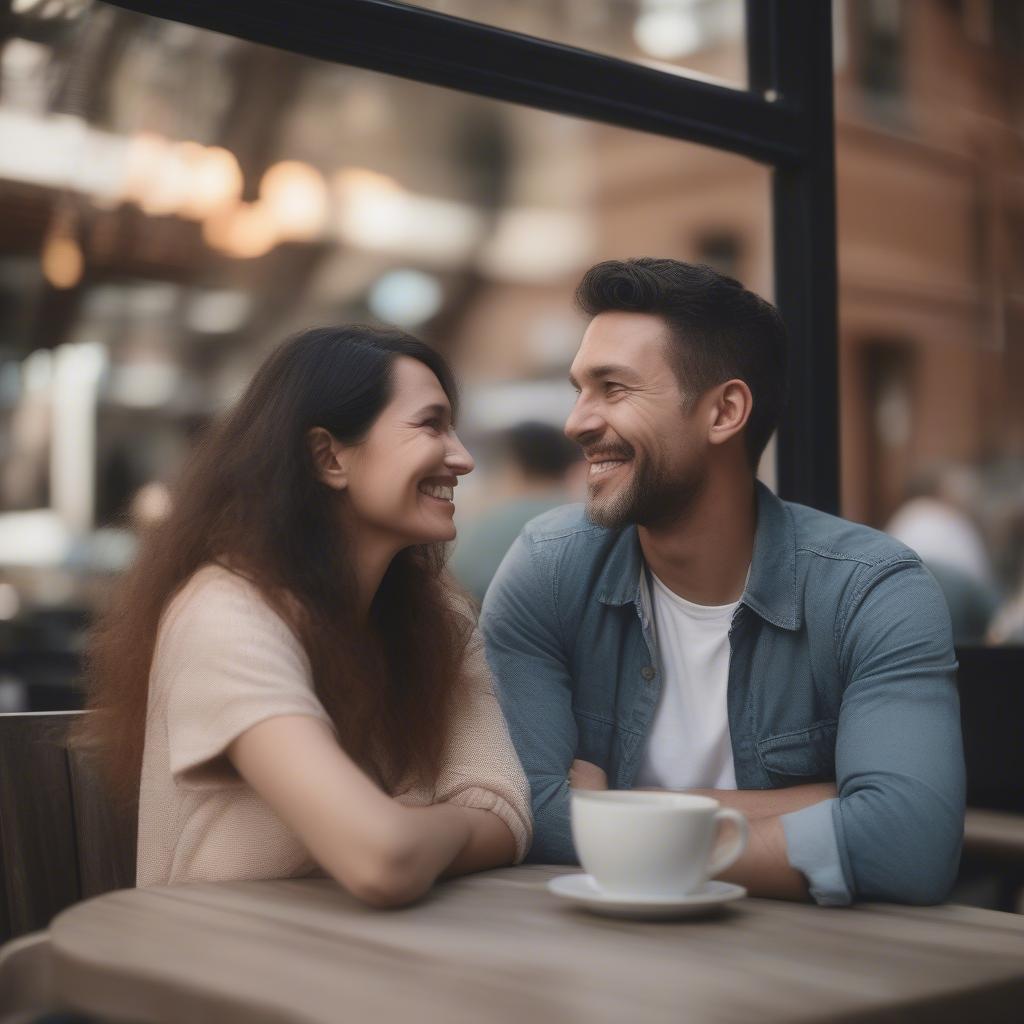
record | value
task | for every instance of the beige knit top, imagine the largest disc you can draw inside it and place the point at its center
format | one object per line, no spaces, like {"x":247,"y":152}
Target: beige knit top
{"x":225,"y":661}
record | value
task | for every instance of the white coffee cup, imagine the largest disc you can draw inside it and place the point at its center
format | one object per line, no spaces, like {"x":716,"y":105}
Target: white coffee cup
{"x":641,"y":843}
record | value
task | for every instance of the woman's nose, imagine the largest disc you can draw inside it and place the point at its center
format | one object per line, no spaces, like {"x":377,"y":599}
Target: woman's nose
{"x":457,"y":458}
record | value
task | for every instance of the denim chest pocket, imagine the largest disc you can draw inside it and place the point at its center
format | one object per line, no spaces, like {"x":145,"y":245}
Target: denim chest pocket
{"x":804,"y":755}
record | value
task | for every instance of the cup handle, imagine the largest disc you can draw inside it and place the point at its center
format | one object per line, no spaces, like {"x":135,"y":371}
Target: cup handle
{"x":730,"y":854}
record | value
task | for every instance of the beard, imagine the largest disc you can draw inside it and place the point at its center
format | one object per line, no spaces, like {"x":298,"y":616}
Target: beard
{"x":651,"y":497}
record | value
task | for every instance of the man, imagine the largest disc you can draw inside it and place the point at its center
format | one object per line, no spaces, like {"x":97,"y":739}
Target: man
{"x":689,"y":630}
{"x":537,"y":470}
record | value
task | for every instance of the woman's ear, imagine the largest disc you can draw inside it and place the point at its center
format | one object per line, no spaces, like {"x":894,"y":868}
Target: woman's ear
{"x":329,"y":458}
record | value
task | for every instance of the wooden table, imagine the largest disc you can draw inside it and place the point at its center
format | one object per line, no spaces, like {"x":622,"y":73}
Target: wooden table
{"x":498,"y":947}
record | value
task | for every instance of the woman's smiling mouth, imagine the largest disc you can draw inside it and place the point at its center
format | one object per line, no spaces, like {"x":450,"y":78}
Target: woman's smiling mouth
{"x":439,"y":492}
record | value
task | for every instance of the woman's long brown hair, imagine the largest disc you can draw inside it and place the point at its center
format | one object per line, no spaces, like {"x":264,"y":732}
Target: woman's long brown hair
{"x":250,"y":500}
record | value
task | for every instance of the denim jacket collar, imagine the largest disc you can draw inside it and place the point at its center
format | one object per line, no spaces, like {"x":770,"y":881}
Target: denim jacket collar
{"x":771,"y":589}
{"x":621,"y":579}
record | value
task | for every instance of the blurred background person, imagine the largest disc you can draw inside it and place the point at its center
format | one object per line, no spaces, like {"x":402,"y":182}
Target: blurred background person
{"x":1008,"y":624}
{"x":536,"y":468}
{"x":938,"y":522}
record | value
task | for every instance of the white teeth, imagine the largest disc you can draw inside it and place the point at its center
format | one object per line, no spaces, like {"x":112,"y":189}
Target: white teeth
{"x":603,"y":467}
{"x":443,"y":491}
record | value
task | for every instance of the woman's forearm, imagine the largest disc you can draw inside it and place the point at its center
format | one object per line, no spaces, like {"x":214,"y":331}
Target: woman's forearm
{"x":433,"y":838}
{"x":445,"y":840}
{"x":382,"y":852}
{"x":491,"y":844}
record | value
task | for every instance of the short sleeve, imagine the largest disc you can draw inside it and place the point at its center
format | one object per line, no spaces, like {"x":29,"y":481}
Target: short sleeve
{"x":225,"y":661}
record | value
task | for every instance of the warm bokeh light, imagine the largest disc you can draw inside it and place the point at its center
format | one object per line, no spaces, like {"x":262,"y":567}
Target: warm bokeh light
{"x":353,"y":184}
{"x":167,"y":188}
{"x":295,"y":195}
{"x":63,"y":263}
{"x":216,"y":182}
{"x":183,"y":178}
{"x":49,"y":9}
{"x":668,"y":33}
{"x":142,"y":164}
{"x":245,"y":231}
{"x":374,"y":212}
{"x":151,"y":504}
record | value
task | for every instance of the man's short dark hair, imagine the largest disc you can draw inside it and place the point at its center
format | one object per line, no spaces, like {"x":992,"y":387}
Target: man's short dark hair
{"x":540,"y":450}
{"x":719,"y":329}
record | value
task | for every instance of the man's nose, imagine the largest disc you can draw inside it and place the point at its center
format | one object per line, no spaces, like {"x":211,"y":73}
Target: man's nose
{"x":583,"y":422}
{"x":457,"y":457}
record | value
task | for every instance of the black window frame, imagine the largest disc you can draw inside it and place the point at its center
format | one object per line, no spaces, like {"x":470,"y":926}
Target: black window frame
{"x":784,"y":119}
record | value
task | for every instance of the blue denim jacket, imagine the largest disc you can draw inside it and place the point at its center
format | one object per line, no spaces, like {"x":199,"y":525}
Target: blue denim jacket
{"x":842,"y":668}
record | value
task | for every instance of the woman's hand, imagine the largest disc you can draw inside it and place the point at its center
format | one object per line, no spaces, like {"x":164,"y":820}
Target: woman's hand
{"x":584,"y":775}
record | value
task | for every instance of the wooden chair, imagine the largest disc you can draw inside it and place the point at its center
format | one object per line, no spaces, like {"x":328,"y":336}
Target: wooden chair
{"x":61,"y":839}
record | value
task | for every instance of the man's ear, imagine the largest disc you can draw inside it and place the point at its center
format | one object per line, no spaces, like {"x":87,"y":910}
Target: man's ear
{"x":730,"y":411}
{"x":329,"y":455}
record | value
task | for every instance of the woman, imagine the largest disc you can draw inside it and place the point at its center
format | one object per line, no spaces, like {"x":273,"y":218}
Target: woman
{"x":285,"y":679}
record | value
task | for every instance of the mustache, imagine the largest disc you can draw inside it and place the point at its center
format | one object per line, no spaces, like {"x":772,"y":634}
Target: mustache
{"x":609,"y":452}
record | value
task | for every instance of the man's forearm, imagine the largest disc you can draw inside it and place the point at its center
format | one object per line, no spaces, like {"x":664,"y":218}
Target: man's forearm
{"x":764,"y":867}
{"x":771,"y":803}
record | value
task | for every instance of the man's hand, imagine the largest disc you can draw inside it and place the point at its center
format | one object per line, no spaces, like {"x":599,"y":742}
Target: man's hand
{"x":764,"y":867}
{"x":584,"y":775}
{"x":770,"y":803}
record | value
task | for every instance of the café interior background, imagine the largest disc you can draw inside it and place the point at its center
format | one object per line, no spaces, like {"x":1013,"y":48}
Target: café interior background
{"x":174,"y":202}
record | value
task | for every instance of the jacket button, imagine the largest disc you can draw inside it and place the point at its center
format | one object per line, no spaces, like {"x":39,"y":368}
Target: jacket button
{"x":648,"y":672}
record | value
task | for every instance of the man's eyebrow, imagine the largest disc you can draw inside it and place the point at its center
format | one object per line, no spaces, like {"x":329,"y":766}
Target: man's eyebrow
{"x":436,"y":409}
{"x":606,"y":370}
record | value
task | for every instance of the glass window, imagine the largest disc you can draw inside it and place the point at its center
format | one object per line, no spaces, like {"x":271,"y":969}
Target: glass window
{"x":176,"y":202}
{"x":931,"y":275}
{"x":697,"y":38}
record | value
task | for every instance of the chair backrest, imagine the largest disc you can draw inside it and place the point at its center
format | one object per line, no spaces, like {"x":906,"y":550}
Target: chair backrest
{"x":61,"y":838}
{"x":991,"y":684}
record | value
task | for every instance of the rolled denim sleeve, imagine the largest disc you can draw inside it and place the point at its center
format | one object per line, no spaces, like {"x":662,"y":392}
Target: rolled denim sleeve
{"x":813,"y":849}
{"x":525,"y":652}
{"x":896,"y":829}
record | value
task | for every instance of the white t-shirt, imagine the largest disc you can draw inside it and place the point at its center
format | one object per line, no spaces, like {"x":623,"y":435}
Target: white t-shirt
{"x":689,"y":746}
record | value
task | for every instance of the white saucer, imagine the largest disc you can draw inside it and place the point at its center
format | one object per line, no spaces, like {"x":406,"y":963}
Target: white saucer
{"x":583,"y":891}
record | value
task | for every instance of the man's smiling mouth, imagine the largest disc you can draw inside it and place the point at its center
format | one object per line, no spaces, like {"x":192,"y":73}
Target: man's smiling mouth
{"x":606,"y":466}
{"x":606,"y":460}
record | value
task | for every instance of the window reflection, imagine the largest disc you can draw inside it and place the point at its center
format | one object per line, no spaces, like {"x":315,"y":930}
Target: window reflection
{"x":175,"y":202}
{"x":697,"y":38}
{"x":931,"y":325}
